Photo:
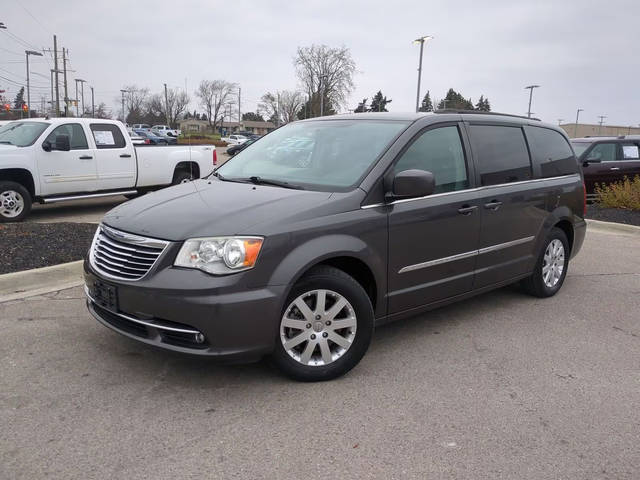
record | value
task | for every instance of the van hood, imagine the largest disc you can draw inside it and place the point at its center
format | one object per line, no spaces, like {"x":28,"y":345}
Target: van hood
{"x":211,"y":207}
{"x":4,"y":148}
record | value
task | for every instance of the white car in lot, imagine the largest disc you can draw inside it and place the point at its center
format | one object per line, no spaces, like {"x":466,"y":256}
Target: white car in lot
{"x":58,"y":159}
{"x":234,"y":139}
{"x":166,"y":130}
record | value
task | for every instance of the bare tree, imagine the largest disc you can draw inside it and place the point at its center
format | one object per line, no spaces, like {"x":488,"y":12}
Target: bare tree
{"x":281,"y":107}
{"x":177,"y":101}
{"x":135,"y":100}
{"x":216,"y":97}
{"x":326,"y":72}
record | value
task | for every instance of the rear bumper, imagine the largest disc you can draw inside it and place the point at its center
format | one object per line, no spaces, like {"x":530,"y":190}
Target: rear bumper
{"x":232,"y":326}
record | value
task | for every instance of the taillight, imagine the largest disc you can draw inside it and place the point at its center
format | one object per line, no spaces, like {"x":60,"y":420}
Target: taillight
{"x":584,"y":189}
{"x":147,"y":141}
{"x":215,"y":157}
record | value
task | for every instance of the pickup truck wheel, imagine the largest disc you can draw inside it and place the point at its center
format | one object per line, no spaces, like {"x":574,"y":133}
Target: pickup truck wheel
{"x":15,"y":202}
{"x":325,"y":328}
{"x":182,"y":177}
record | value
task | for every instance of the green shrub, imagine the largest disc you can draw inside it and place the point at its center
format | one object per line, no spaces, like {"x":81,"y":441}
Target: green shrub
{"x":624,"y":194}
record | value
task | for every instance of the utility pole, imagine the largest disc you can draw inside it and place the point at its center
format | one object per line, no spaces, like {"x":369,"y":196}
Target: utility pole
{"x":322,"y":87}
{"x":93,"y":105}
{"x":66,"y":93}
{"x":55,"y":66}
{"x":239,"y":113}
{"x":575,"y":131}
{"x":52,"y":104}
{"x":82,"y":82}
{"x":421,"y":41}
{"x":601,"y":117}
{"x":278,"y":111}
{"x":530,"y":88}
{"x":166,"y":104}
{"x":77,"y":109}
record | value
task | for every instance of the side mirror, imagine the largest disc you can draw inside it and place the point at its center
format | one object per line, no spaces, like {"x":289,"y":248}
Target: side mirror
{"x":46,"y":146}
{"x":412,"y":183}
{"x":62,"y":143}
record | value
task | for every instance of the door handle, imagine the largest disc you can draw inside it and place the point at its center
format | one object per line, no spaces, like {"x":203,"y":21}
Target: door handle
{"x":493,"y":205}
{"x":615,"y":168}
{"x":467,"y":209}
{"x":85,"y":157}
{"x":125,"y":155}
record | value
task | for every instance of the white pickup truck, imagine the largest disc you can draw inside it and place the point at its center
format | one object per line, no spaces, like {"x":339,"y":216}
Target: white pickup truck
{"x":58,"y":159}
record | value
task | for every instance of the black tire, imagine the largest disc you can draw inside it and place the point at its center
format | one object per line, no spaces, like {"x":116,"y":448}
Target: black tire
{"x":535,"y":284}
{"x":182,"y":176}
{"x":7,"y":200}
{"x":335,"y":280}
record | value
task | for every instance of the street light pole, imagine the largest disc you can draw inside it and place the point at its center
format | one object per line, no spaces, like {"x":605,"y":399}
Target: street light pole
{"x":93,"y":105}
{"x":575,"y":130}
{"x":530,"y":87}
{"x":421,"y":41}
{"x":37,"y":54}
{"x":124,"y":119}
{"x":82,"y":82}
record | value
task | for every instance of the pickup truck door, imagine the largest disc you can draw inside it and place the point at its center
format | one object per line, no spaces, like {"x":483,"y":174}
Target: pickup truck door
{"x":116,"y":157}
{"x":72,"y":171}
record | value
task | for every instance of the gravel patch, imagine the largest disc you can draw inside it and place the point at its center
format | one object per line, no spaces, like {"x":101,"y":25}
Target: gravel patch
{"x":24,"y":246}
{"x":618,"y":215}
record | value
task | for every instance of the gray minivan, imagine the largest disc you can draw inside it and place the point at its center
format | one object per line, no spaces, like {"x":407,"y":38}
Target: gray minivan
{"x":313,"y":235}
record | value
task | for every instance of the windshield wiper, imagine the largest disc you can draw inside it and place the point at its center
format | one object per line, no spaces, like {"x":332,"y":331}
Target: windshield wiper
{"x":276,"y":183}
{"x":6,"y":142}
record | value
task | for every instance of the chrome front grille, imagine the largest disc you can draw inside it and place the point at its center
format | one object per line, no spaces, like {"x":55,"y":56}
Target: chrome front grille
{"x":124,"y":256}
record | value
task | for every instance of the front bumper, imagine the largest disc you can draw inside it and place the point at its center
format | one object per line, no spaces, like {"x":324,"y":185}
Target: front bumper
{"x":204,"y":315}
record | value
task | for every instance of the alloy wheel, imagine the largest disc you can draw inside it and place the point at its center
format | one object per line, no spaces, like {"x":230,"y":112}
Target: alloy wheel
{"x":553,"y":263}
{"x":318,"y":327}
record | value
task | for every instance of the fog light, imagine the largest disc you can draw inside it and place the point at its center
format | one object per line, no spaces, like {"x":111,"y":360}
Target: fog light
{"x":199,"y":338}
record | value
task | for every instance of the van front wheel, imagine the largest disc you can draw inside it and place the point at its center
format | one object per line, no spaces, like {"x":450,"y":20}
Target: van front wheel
{"x":325,"y":328}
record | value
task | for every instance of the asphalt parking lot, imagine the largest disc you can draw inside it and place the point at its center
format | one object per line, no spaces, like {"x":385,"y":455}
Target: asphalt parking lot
{"x":500,"y":386}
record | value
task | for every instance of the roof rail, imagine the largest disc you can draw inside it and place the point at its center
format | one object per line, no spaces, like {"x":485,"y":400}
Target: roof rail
{"x":478,"y":112}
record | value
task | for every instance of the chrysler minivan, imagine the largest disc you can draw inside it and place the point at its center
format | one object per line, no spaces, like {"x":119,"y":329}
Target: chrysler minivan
{"x":301,"y":244}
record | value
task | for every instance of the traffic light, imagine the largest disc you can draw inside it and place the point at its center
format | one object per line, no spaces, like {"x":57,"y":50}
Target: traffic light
{"x":24,"y":107}
{"x":7,"y":107}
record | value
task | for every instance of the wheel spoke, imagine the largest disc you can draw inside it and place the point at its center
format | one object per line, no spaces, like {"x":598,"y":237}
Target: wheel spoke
{"x":335,"y":310}
{"x":304,"y":309}
{"x":321,"y":300}
{"x":343,"y":323}
{"x":308,"y":351}
{"x":325,"y":351}
{"x":294,"y":323}
{"x":297,"y":340}
{"x":339,"y":339}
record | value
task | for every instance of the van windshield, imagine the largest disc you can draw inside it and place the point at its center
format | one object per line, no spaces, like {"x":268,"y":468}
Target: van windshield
{"x":21,"y":134}
{"x":322,"y":154}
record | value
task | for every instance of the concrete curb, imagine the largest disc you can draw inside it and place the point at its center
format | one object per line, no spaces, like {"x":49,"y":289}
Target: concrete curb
{"x":28,"y":283}
{"x":612,"y":227}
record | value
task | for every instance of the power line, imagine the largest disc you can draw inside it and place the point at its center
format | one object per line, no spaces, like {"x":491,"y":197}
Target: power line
{"x":20,"y":40}
{"x":32,"y":16}
{"x":11,"y":51}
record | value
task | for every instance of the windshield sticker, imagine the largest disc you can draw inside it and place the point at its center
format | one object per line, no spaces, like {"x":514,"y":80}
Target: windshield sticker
{"x":104,"y":137}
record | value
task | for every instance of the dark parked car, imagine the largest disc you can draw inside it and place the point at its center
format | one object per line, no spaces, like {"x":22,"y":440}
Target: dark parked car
{"x":607,"y":160}
{"x":153,"y":138}
{"x":234,"y":149}
{"x":171,"y":140}
{"x":385,"y":216}
{"x":249,"y":135}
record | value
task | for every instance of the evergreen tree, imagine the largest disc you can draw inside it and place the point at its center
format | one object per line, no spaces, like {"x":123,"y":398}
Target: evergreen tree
{"x":252,"y":116}
{"x":427,"y":104}
{"x":483,"y":104}
{"x":362,"y":106}
{"x":455,"y":101}
{"x":379,"y":103}
{"x":19,"y":101}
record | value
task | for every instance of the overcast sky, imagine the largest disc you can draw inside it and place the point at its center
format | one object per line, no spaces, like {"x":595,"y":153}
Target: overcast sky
{"x":582,"y":53}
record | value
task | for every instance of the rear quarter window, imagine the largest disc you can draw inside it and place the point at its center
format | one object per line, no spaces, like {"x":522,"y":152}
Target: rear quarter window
{"x":501,"y":154}
{"x":107,"y":135}
{"x":551,"y":152}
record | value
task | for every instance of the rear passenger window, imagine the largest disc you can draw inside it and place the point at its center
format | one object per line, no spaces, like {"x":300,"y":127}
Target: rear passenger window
{"x":440,"y":152}
{"x":107,"y":135}
{"x":630,"y":152}
{"x":501,"y":154}
{"x":551,"y":151}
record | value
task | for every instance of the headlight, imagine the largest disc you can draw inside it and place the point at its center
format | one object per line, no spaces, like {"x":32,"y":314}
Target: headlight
{"x":220,"y":255}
